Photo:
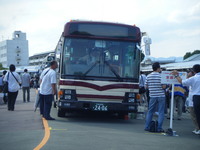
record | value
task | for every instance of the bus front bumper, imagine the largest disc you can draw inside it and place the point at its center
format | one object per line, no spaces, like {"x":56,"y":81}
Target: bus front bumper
{"x":97,"y":106}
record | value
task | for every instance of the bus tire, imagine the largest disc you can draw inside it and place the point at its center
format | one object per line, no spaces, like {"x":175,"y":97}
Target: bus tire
{"x":61,"y":113}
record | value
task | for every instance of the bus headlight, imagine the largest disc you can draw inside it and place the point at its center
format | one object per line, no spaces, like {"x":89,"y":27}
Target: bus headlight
{"x":131,"y":94}
{"x":68,"y":97}
{"x":131,"y":100}
{"x":68,"y":94}
{"x":130,"y":97}
{"x":68,"y":91}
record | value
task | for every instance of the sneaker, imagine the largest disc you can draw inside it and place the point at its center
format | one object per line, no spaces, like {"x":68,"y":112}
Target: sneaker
{"x":194,"y":131}
{"x":50,"y":118}
{"x":197,"y":132}
{"x":161,"y":131}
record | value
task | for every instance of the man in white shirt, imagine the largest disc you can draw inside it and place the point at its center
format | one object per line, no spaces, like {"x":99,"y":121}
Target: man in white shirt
{"x":13,"y":80}
{"x":194,"y":83}
{"x":47,"y":90}
{"x":26,"y":78}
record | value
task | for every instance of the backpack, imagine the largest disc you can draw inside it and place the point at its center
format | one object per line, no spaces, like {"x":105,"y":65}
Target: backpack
{"x":153,"y":126}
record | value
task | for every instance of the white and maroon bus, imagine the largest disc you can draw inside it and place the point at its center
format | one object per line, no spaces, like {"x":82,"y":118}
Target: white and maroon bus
{"x":99,"y":64}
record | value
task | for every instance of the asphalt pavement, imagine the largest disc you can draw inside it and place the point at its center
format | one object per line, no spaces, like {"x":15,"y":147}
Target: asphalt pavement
{"x":23,"y":129}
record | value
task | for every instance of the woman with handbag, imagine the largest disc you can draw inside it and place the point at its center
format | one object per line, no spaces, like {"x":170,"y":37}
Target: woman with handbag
{"x":142,"y":89}
{"x":13,"y":79}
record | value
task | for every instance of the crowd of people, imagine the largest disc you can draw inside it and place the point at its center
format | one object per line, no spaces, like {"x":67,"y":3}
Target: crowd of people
{"x":158,"y":95}
{"x":11,"y":82}
{"x":155,"y":94}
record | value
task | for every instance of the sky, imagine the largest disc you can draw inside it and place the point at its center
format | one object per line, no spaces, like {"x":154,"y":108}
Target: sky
{"x":172,"y":25}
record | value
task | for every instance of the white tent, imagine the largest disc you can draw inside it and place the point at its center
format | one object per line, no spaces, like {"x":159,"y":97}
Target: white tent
{"x":173,"y":66}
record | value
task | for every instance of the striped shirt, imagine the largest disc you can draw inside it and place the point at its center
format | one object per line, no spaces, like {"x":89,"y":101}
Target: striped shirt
{"x":153,"y":82}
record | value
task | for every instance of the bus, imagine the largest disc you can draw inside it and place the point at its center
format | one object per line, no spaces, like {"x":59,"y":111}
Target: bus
{"x":99,"y":65}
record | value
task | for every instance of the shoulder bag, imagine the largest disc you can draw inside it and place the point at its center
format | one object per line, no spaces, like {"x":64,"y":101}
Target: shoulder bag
{"x":16,"y":79}
{"x":5,"y":85}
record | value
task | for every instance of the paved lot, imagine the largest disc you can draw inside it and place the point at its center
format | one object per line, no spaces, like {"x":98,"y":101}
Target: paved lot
{"x":22,"y":129}
{"x":109,"y":133}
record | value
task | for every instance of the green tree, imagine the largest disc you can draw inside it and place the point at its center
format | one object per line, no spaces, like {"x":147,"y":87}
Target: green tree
{"x":1,"y":67}
{"x":189,"y":54}
{"x":196,"y":52}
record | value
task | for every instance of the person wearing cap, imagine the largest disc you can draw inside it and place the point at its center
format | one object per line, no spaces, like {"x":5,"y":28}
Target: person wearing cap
{"x":26,"y":79}
{"x":157,"y":97}
{"x":194,"y":83}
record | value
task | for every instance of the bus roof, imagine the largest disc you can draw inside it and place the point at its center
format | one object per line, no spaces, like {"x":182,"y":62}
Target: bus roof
{"x":97,"y":29}
{"x":99,"y":22}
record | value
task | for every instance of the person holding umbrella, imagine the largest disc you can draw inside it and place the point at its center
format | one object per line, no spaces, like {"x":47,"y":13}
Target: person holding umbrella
{"x":47,"y":90}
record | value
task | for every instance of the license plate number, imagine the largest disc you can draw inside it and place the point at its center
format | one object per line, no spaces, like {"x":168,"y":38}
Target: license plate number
{"x":100,"y":107}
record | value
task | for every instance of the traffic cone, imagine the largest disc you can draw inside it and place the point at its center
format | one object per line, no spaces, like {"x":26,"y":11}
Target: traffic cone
{"x":126,"y":117}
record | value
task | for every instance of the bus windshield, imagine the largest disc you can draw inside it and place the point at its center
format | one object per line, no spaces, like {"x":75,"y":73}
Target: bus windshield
{"x":90,"y":59}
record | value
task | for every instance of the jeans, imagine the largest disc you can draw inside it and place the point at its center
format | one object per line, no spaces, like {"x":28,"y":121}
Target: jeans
{"x":12,"y":96}
{"x":196,"y":100}
{"x":45,"y":105}
{"x":178,"y":101}
{"x":160,"y":101}
{"x":26,"y":89}
{"x":194,"y":118}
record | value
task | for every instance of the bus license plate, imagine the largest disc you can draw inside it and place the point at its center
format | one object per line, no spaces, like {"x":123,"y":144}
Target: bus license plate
{"x":100,"y":107}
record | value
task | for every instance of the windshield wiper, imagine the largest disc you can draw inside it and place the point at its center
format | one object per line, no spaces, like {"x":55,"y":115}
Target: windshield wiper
{"x":97,"y":62}
{"x":113,"y":71}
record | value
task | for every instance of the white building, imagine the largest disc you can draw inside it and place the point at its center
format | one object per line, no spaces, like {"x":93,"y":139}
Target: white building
{"x":15,"y":51}
{"x":38,"y":59}
{"x":178,"y":65}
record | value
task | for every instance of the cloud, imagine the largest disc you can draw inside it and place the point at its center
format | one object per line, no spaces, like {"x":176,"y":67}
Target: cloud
{"x":183,"y":15}
{"x":175,"y":46}
{"x":181,"y":33}
{"x":43,"y":20}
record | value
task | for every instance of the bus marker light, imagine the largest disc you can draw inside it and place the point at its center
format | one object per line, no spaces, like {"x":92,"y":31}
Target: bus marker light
{"x":60,"y":93}
{"x":138,"y":96}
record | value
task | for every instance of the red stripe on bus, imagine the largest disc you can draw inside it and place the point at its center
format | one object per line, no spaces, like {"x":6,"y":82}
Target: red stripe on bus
{"x":99,"y":96}
{"x":99,"y":88}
